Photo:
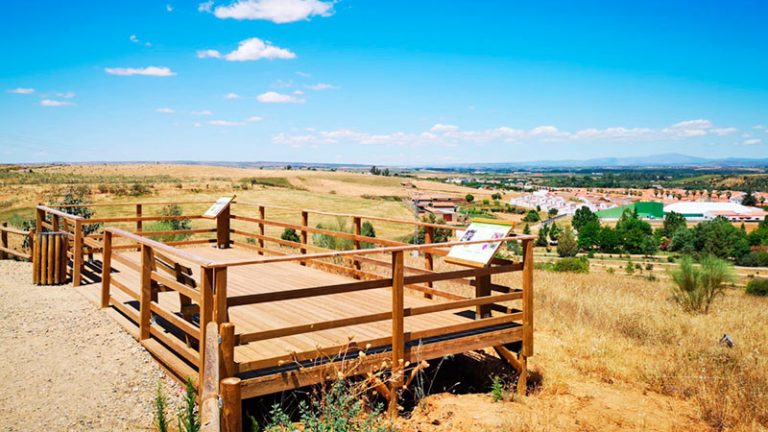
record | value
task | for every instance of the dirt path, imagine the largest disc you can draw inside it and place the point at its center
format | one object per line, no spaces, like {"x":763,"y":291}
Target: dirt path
{"x":67,"y":366}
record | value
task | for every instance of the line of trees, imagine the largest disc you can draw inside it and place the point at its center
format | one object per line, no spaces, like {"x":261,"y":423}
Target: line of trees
{"x":717,"y":237}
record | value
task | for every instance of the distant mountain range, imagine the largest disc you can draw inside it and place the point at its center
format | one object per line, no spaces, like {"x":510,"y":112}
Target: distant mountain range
{"x":667,"y":160}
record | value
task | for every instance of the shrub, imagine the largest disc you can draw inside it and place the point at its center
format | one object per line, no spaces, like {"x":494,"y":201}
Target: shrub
{"x":439,"y":235}
{"x":332,"y":242}
{"x":532,"y":216}
{"x":754,"y":259}
{"x":497,"y":389}
{"x":79,"y":195}
{"x":630,"y":268}
{"x":290,"y":234}
{"x":161,"y":405}
{"x":171,"y":210}
{"x":339,"y":408}
{"x":189,"y":418}
{"x":572,"y":265}
{"x":470,"y":198}
{"x":758,"y":287}
{"x":566,"y":243}
{"x":367,"y":230}
{"x":695,"y":287}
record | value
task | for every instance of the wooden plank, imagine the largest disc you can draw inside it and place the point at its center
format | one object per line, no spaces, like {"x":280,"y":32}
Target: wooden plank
{"x":220,"y":308}
{"x":206,"y":308}
{"x":106,"y":269}
{"x":176,"y":286}
{"x":180,"y":370}
{"x":175,"y":345}
{"x":209,"y":382}
{"x":77,"y":261}
{"x":483,"y":288}
{"x":227,"y":350}
{"x":262,"y":216}
{"x":182,"y":324}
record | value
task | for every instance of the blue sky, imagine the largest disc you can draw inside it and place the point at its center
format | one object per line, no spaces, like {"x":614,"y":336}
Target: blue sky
{"x":397,"y":82}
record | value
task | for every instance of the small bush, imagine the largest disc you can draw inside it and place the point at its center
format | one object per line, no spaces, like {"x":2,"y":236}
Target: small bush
{"x":697,"y":286}
{"x":758,"y":287}
{"x":566,"y":243}
{"x":497,"y":389}
{"x":161,"y":406}
{"x":290,"y":234}
{"x":572,"y":265}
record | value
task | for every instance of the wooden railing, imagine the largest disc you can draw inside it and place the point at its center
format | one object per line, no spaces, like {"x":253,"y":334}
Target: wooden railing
{"x":6,"y":250}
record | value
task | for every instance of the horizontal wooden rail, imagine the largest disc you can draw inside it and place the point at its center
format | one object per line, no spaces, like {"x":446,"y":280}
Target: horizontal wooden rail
{"x":178,"y":253}
{"x":59,"y":213}
{"x":142,"y":203}
{"x":139,"y":219}
{"x":404,"y":248}
{"x":365,"y":319}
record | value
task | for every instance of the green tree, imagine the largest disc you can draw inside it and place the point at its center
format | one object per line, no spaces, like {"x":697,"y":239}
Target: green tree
{"x":749,"y":200}
{"x":554,"y":231}
{"x":526,"y":229}
{"x":496,"y":196}
{"x":633,"y":233}
{"x":589,"y":236}
{"x":582,"y":217}
{"x":566,"y":243}
{"x":609,"y":240}
{"x":79,"y":197}
{"x":683,"y":241}
{"x":552,"y":212}
{"x":672,"y":222}
{"x":532,"y":216}
{"x":439,"y":235}
{"x":470,"y":198}
{"x":541,"y":240}
{"x":718,"y":237}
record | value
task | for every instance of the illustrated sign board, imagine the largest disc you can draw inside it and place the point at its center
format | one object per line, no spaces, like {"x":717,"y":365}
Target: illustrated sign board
{"x":220,"y":204}
{"x":479,"y":254}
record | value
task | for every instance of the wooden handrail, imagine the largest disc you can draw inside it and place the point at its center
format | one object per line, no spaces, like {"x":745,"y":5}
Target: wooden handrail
{"x":179,"y":253}
{"x":209,"y":394}
{"x":142,"y":203}
{"x":405,"y":248}
{"x":59,"y":213}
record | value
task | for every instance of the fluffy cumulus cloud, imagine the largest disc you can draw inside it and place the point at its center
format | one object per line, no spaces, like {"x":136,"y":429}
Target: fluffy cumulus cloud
{"x":206,"y":7}
{"x":55,"y":103}
{"x":275,"y":97}
{"x":155,"y":71}
{"x":249,"y":50}
{"x":22,"y":90}
{"x":277,"y":11}
{"x":451,"y":135}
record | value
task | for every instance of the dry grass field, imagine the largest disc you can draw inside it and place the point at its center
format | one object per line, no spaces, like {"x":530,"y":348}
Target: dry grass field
{"x":613,"y":352}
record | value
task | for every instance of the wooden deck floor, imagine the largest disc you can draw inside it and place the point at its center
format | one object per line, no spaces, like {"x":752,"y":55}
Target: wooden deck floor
{"x":265,"y":278}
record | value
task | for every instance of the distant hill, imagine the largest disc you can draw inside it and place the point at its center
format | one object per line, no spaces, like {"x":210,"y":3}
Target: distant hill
{"x":667,"y":160}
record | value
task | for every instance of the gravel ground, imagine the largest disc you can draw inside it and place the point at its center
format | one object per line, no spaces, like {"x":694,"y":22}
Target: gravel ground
{"x":65,"y":365}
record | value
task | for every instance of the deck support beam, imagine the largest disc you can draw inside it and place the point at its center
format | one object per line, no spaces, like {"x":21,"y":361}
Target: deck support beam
{"x":77,"y":254}
{"x":147,"y":263}
{"x":222,"y":229}
{"x":106,"y":268}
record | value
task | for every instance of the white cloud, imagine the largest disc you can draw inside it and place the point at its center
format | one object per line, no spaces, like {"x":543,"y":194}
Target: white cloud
{"x":169,"y":7}
{"x":277,"y":11}
{"x":321,"y":86}
{"x":249,"y":50}
{"x":21,"y":90}
{"x":254,"y":119}
{"x":303,"y":74}
{"x":146,"y":71}
{"x":275,"y":97}
{"x":752,"y":141}
{"x":231,"y":96}
{"x":298,"y":92}
{"x":54,"y":103}
{"x":165,"y":110}
{"x":133,"y":38}
{"x":226,"y":123}
{"x":205,"y":6}
{"x":441,"y":128}
{"x":201,"y":113}
{"x":66,"y":95}
{"x":451,"y":135}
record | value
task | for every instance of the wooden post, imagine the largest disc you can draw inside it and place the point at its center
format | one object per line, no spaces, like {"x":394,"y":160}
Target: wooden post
{"x":56,"y":260}
{"x":208,"y":383}
{"x":527,"y":298}
{"x":304,"y":223}
{"x":147,"y":258}
{"x":222,"y":228}
{"x":262,"y":216}
{"x":482,"y":289}
{"x":139,"y":225}
{"x":77,"y":254}
{"x":39,"y":218}
{"x":36,"y":260}
{"x":220,"y":283}
{"x":206,"y":307}
{"x":398,"y":331}
{"x":4,"y":241}
{"x":227,"y":350}
{"x":231,"y":406}
{"x":429,"y":238}
{"x":54,"y":223}
{"x":106,"y":268}
{"x":49,"y":265}
{"x":357,"y":221}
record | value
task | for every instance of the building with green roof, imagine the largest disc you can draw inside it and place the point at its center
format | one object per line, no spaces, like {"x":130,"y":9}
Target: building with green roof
{"x":645,"y":210}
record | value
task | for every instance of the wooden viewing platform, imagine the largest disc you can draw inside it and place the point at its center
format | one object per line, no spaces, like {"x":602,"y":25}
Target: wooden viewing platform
{"x":291,"y":314}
